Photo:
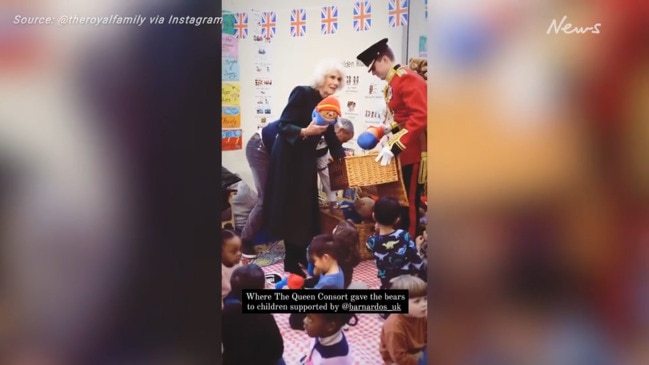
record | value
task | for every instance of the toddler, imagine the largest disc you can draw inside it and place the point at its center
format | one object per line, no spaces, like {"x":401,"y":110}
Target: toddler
{"x":345,"y":236}
{"x":324,"y":254}
{"x":403,"y":336}
{"x":230,"y":258}
{"x":329,"y":345}
{"x":242,"y":330}
{"x":395,"y":252}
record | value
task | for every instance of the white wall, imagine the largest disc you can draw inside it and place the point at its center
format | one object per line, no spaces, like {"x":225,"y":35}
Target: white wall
{"x":417,"y":26}
{"x":293,"y":59}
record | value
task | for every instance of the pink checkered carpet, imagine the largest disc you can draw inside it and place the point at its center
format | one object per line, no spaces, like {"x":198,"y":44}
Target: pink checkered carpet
{"x":363,"y":338}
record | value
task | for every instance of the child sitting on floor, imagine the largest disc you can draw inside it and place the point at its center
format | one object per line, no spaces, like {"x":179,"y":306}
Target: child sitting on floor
{"x":230,"y":258}
{"x":345,"y":237}
{"x":403,"y":336}
{"x":395,"y":252}
{"x":325,"y":256}
{"x":242,"y":330}
{"x":329,"y":345}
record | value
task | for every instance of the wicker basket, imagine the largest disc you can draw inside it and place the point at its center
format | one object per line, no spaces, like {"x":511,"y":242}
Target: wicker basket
{"x":396,"y":189}
{"x":330,"y":221}
{"x":363,"y":170}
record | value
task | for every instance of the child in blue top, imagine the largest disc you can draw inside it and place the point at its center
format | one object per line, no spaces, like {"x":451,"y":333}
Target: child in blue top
{"x":325,"y":254}
{"x":393,"y":249}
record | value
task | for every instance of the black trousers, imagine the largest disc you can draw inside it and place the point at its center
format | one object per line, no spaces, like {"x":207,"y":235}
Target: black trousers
{"x":410,"y":215}
{"x":295,"y":254}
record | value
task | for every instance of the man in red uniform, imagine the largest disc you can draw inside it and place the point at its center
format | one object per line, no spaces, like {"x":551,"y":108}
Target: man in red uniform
{"x":405,"y":96}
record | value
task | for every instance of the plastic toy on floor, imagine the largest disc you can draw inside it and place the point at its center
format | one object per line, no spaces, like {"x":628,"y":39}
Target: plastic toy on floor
{"x":292,"y":281}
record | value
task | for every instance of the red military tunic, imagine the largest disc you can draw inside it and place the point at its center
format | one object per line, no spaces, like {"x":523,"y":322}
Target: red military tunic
{"x":406,"y":98}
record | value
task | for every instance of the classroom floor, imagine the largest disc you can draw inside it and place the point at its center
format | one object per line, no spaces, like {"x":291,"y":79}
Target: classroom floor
{"x":363,"y":338}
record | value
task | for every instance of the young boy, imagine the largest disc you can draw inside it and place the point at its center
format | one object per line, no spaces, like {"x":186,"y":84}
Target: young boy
{"x":395,"y":252}
{"x":403,"y":336}
{"x":324,"y":254}
{"x":329,"y":345}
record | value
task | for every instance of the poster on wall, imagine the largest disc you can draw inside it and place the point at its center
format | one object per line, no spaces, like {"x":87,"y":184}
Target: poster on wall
{"x":231,"y":139}
{"x":230,"y":92}
{"x":230,"y":105}
{"x":228,"y":23}
{"x":229,"y":46}
{"x":230,"y":116}
{"x":264,"y":29}
{"x":422,"y":46}
{"x":230,"y":69}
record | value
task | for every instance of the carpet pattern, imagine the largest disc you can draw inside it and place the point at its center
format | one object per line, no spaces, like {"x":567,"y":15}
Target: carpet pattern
{"x":363,"y":338}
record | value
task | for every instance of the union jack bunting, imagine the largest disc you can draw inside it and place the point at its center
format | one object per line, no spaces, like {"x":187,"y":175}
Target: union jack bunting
{"x":329,"y":16}
{"x":268,"y":24}
{"x":398,"y":13}
{"x":241,"y":25}
{"x":426,"y":9}
{"x":298,"y":22}
{"x":362,"y":15}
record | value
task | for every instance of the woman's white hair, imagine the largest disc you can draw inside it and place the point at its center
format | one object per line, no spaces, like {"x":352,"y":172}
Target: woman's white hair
{"x":325,"y":68}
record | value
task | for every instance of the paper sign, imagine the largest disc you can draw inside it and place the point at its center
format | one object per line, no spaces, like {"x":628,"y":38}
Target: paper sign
{"x":230,"y":93}
{"x":231,"y":140}
{"x":228,"y":23}
{"x":229,"y":46}
{"x":422,"y":46}
{"x":230,"y":117}
{"x":230,"y":69}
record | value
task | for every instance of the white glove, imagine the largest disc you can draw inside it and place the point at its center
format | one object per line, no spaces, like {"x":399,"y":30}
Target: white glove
{"x":385,"y":156}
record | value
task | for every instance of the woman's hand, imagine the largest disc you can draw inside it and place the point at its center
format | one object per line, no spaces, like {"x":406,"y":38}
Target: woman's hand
{"x":313,"y":130}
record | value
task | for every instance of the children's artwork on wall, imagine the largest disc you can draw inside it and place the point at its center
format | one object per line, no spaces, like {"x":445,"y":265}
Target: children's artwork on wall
{"x":230,"y":69}
{"x":230,"y":93}
{"x":231,"y":139}
{"x":230,"y":116}
{"x":229,"y":46}
{"x":228,"y":23}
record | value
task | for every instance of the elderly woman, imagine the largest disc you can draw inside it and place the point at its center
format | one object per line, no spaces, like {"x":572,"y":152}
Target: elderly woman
{"x":258,"y":151}
{"x":291,"y":194}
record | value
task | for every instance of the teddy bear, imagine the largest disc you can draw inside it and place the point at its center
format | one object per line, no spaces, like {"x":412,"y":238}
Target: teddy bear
{"x":358,"y":211}
{"x":327,"y":111}
{"x":420,"y":66}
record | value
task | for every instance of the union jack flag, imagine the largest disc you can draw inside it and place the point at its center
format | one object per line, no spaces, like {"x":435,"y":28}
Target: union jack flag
{"x":268,"y":24}
{"x":398,"y":13}
{"x":329,"y":16}
{"x":241,"y":25}
{"x":298,"y":22}
{"x":362,"y":15}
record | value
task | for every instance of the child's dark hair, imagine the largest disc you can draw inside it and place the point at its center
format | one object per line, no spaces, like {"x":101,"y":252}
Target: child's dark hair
{"x":340,"y":319}
{"x":346,"y":238}
{"x":227,"y":235}
{"x":248,"y":276}
{"x":324,"y":244}
{"x":387,"y":210}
